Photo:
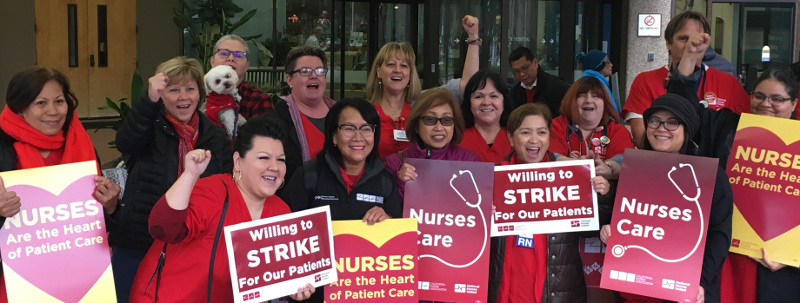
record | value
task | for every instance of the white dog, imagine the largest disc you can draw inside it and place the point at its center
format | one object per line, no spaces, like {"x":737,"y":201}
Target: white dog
{"x":222,"y":104}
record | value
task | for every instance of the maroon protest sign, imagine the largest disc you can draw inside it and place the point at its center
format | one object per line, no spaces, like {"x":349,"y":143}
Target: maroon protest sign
{"x":272,"y":257}
{"x":541,"y":198}
{"x":451,"y":200}
{"x":658,"y":229}
{"x":376,"y":263}
{"x":592,"y":252}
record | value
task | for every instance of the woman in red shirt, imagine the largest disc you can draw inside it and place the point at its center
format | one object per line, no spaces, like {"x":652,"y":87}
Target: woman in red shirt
{"x":185,"y":220}
{"x":485,"y":116}
{"x":550,"y":270}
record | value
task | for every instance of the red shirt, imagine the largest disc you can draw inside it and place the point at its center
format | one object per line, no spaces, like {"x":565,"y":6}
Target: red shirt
{"x":524,"y":271}
{"x":314,"y":137}
{"x":388,"y":145}
{"x":184,"y":277}
{"x":618,"y":134}
{"x":720,"y":90}
{"x":495,"y":153}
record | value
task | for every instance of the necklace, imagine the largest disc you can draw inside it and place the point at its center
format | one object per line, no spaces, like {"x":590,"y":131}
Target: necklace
{"x":394,"y":110}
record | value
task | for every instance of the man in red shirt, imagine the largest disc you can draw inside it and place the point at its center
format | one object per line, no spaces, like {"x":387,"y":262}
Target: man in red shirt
{"x":715,"y":87}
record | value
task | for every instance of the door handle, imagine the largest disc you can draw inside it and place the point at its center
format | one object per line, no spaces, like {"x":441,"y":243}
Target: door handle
{"x":91,"y":60}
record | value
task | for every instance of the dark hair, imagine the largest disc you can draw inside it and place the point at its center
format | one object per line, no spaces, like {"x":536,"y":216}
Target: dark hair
{"x":583,"y":85}
{"x":478,"y":81}
{"x":525,"y":110}
{"x":519,"y":53}
{"x":261,"y":126}
{"x":26,"y":85}
{"x":677,"y":22}
{"x":367,"y":111}
{"x":304,"y":50}
{"x":784,"y":76}
{"x":431,"y":98}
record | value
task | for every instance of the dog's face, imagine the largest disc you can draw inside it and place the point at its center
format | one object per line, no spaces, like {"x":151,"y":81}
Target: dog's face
{"x":221,"y":79}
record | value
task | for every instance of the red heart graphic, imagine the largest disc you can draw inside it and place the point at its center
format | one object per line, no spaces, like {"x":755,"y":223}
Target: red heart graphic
{"x":765,"y":210}
{"x":75,"y":269}
{"x":350,"y":251}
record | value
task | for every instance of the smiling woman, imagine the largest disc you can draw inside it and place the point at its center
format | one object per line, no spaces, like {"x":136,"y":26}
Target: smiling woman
{"x":154,"y":139}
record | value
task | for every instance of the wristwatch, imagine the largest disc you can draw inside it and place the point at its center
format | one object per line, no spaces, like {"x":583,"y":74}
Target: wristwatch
{"x":478,"y":41}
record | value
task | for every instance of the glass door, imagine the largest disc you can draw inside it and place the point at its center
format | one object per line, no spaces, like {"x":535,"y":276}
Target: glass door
{"x":764,"y":24}
{"x":360,"y":29}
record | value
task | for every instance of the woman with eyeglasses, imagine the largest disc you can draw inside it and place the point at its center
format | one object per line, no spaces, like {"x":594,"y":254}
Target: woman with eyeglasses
{"x":551,"y":269}
{"x":435,"y":128}
{"x":347,"y":174}
{"x":393,"y":84}
{"x":747,"y":279}
{"x":671,"y":122}
{"x":303,"y":111}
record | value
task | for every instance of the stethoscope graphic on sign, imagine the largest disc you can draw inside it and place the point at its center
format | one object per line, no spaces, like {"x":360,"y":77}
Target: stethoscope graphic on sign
{"x":619,"y":250}
{"x":477,"y":206}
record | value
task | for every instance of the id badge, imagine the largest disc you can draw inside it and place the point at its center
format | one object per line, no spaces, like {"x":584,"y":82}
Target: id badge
{"x":525,"y":241}
{"x":400,"y":135}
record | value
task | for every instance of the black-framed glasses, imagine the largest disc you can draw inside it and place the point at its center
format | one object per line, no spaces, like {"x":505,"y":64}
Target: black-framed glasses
{"x":670,"y":125}
{"x":224,"y":53}
{"x":306,"y":71}
{"x":774,"y":99}
{"x":431,"y":120}
{"x":349,"y":130}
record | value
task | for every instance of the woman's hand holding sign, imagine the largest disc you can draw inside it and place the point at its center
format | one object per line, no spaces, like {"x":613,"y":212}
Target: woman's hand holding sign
{"x":407,"y":172}
{"x":303,"y":293}
{"x":374,"y":215}
{"x":9,"y":201}
{"x":773,"y":266}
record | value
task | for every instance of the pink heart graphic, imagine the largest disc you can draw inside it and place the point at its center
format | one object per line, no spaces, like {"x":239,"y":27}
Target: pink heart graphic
{"x":66,"y":274}
{"x":769,"y":218}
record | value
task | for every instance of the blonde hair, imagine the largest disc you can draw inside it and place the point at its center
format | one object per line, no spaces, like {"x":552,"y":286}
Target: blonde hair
{"x":374,"y":90}
{"x":181,"y":68}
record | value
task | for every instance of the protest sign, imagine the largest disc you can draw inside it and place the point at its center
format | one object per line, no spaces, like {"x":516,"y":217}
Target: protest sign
{"x":273,"y":257}
{"x":451,"y":201}
{"x":547,"y":197}
{"x":59,"y":232}
{"x":375,"y":263}
{"x":764,"y":171}
{"x":658,"y":228}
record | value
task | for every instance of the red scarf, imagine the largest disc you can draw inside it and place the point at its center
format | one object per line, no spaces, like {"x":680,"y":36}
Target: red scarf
{"x":187,"y":136}
{"x":350,"y":180}
{"x":30,"y":141}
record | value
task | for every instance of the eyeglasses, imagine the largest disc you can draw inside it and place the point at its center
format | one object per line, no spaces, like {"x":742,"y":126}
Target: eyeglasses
{"x":306,"y":71}
{"x":774,"y":99}
{"x":224,"y":53}
{"x":522,"y":68}
{"x":349,"y":130}
{"x":431,"y":121}
{"x":670,"y":125}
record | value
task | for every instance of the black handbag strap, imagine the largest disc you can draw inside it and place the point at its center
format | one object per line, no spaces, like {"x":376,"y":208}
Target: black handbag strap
{"x":163,"y":256}
{"x":216,"y":241}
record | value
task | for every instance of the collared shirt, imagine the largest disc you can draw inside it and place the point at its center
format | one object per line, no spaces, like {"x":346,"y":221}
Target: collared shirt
{"x":254,"y":101}
{"x":529,"y":87}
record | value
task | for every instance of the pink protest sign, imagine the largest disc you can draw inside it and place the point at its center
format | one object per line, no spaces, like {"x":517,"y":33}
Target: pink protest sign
{"x":451,"y":201}
{"x":658,"y":228}
{"x":59,"y":232}
{"x":272,"y":257}
{"x":541,"y":198}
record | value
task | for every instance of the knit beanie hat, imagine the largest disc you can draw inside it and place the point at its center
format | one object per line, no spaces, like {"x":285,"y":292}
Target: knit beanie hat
{"x":592,"y":60}
{"x":681,"y":108}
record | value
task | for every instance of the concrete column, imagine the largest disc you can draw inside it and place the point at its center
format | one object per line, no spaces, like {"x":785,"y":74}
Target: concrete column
{"x":638,"y":48}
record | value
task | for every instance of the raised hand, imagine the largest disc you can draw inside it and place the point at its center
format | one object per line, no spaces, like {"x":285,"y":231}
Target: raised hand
{"x":196,"y":161}
{"x":9,"y":201}
{"x":158,"y":83}
{"x":470,"y":25}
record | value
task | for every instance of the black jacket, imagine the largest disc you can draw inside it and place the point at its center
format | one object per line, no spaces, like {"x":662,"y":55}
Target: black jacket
{"x":717,"y":127}
{"x":328,"y":188}
{"x":149,"y":145}
{"x":718,"y":237}
{"x":564,"y":278}
{"x":549,"y":91}
{"x":291,"y":143}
